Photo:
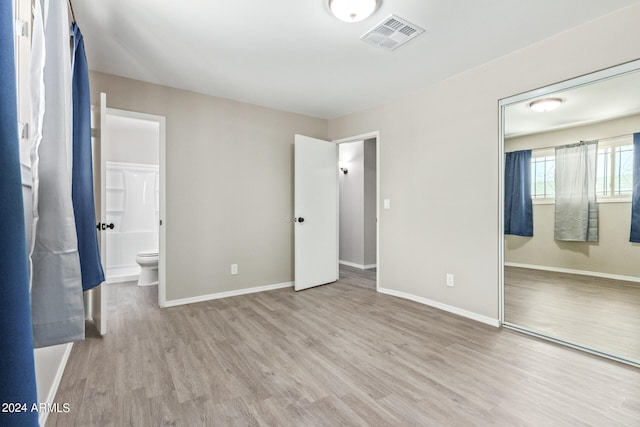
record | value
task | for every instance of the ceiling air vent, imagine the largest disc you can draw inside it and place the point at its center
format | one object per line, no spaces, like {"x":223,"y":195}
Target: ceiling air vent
{"x":392,"y":33}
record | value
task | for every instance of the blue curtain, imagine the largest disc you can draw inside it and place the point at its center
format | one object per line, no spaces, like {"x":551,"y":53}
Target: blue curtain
{"x":635,"y":203}
{"x":82,"y":176}
{"x":518,"y":209}
{"x":17,"y":372}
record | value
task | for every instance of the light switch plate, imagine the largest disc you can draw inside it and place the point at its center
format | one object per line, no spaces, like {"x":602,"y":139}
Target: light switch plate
{"x":387,"y":203}
{"x":450,"y":280}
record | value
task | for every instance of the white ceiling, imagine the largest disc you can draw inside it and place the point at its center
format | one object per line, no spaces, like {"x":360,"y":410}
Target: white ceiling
{"x":293,"y":55}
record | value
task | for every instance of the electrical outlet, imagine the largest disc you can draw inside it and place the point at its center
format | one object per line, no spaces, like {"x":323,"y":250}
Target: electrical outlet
{"x":234,"y":268}
{"x":450,"y":281}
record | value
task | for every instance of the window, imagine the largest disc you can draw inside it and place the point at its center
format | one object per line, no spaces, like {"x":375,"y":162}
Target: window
{"x":614,"y":170}
{"x":543,"y":174}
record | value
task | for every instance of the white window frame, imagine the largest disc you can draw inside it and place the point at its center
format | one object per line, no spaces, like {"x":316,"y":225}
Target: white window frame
{"x":613,"y":143}
{"x":537,"y":153}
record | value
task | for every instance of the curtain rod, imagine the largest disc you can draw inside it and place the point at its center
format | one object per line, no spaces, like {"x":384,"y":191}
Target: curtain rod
{"x":609,"y":138}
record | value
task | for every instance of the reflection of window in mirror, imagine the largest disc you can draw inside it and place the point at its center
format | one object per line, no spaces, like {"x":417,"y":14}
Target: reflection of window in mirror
{"x":615,"y":168}
{"x":614,"y":177}
{"x":543,"y":170}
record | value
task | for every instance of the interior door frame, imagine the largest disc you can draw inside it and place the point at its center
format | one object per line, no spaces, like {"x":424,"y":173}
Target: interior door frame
{"x":162,"y":235}
{"x":362,"y":137}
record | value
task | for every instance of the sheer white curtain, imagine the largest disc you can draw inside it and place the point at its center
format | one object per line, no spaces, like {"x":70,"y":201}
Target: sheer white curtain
{"x":56,"y":294}
{"x":576,"y":209}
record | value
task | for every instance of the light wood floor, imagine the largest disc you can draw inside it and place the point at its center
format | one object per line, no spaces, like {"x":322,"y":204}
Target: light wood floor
{"x":601,"y":314}
{"x":335,"y":355}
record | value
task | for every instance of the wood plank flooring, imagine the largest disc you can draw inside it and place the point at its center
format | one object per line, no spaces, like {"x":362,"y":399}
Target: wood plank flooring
{"x":602,"y":314}
{"x":334,"y":355}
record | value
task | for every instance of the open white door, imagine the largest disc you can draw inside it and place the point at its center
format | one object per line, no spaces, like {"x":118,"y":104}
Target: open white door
{"x":316,"y":212}
{"x":98,"y":294}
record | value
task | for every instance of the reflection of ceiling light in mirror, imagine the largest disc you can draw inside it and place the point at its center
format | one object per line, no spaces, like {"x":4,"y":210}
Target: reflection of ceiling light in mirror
{"x":546,"y":104}
{"x":352,"y":10}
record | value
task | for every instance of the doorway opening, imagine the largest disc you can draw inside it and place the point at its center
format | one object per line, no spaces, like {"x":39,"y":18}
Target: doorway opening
{"x":133,"y":192}
{"x":358,"y":163}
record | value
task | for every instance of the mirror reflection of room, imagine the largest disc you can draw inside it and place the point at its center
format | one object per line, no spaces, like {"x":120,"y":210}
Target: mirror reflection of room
{"x":571,"y":249}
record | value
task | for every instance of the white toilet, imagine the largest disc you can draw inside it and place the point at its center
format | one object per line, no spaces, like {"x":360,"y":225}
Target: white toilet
{"x":148,"y":262}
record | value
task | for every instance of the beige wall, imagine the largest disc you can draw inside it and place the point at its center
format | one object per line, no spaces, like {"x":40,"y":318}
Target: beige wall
{"x":612,"y":252}
{"x":439,"y":162}
{"x":229,"y":185}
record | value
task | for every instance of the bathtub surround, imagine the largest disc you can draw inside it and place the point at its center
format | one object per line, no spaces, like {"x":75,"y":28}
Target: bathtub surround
{"x":132,"y":139}
{"x":133,"y":208}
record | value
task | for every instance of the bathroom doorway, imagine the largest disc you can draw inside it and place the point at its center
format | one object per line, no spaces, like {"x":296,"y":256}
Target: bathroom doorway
{"x":132,"y":162}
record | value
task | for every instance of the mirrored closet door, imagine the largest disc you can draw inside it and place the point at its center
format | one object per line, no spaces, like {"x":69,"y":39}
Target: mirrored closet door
{"x":571,"y":261}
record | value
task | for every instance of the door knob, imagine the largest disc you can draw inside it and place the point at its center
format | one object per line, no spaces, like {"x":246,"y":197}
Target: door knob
{"x":299,"y":219}
{"x":103,"y":226}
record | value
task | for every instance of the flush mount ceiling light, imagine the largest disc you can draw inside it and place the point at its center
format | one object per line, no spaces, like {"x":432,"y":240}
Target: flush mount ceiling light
{"x":546,"y":104}
{"x":352,"y":10}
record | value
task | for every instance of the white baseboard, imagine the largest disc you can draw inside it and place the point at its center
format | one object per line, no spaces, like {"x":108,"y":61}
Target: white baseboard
{"x":51,"y":396}
{"x":360,"y":266}
{"x":228,"y":294}
{"x":448,"y":308}
{"x":571,"y":271}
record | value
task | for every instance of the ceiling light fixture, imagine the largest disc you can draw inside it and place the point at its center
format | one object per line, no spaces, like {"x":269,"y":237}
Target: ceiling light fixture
{"x":546,"y":104}
{"x":352,"y":10}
